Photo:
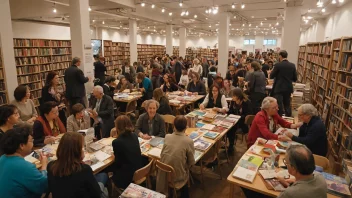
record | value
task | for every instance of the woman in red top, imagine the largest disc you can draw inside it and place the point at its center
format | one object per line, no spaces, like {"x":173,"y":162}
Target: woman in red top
{"x":265,"y":123}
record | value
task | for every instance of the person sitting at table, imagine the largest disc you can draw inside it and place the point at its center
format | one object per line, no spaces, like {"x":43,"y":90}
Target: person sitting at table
{"x":68,"y":176}
{"x":150,"y":123}
{"x":215,"y":100}
{"x":79,"y":120}
{"x":178,"y":152}
{"x":25,"y":105}
{"x":145,"y":86}
{"x":227,"y":89}
{"x":196,"y":86}
{"x":124,"y":84}
{"x":305,"y":184}
{"x":265,"y":123}
{"x":128,"y":157}
{"x":102,"y":109}
{"x":109,"y":86}
{"x":47,"y":124}
{"x":240,"y":105}
{"x":53,"y":92}
{"x":313,"y":132}
{"x":20,"y":178}
{"x":164,"y":107}
{"x":169,"y":85}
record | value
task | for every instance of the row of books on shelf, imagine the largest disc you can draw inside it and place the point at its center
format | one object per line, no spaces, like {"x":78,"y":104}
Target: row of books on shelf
{"x":346,"y":64}
{"x":323,"y":72}
{"x":302,"y":49}
{"x":344,"y":91}
{"x":142,"y":46}
{"x":36,"y":85}
{"x":301,"y":55}
{"x":40,"y":43}
{"x":2,"y":85}
{"x":36,"y":94}
{"x":347,"y":45}
{"x":41,"y":51}
{"x":336,"y":56}
{"x":323,"y":61}
{"x":3,"y":98}
{"x":325,"y":49}
{"x":312,"y":49}
{"x":27,"y":69}
{"x":345,"y":79}
{"x":61,"y":51}
{"x":322,"y":82}
{"x":28,"y":79}
{"x":41,"y":60}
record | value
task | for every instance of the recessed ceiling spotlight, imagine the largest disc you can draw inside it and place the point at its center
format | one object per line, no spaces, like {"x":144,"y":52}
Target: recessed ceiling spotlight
{"x":93,"y":20}
{"x":210,"y":26}
{"x":163,"y":10}
{"x":180,"y":4}
{"x":309,"y":10}
{"x":103,"y":22}
{"x":182,"y":13}
{"x":242,"y":6}
{"x":206,"y":11}
{"x":195,"y":16}
{"x":142,"y":4}
{"x":323,"y":10}
{"x":153,"y":6}
{"x":170,"y":13}
{"x":261,"y":23}
{"x":54,"y":8}
{"x":277,"y":23}
{"x":187,"y":13}
{"x":341,"y":1}
{"x":89,"y":9}
{"x":333,"y":1}
{"x":233,"y":6}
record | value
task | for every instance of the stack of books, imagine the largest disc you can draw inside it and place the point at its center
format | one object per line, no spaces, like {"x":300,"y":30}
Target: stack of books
{"x":297,"y":99}
{"x":246,"y":169}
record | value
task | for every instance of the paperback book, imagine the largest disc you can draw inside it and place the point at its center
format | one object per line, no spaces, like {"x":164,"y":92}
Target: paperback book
{"x":197,"y":155}
{"x":211,"y":135}
{"x":201,"y":144}
{"x":195,"y":135}
{"x":338,"y":188}
{"x":244,"y":174}
{"x":219,"y":129}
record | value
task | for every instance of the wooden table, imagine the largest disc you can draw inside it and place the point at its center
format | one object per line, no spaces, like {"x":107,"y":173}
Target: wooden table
{"x":258,"y":183}
{"x":178,"y":106}
{"x":131,"y":97}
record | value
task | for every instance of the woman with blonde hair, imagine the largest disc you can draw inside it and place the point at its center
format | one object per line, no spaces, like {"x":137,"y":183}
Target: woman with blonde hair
{"x":164,"y":107}
{"x":197,"y":68}
{"x":128,"y":157}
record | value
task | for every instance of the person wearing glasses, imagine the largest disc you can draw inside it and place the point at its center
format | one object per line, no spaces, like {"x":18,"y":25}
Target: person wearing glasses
{"x":313,"y":131}
{"x":300,"y":164}
{"x":48,"y":125}
{"x":265,"y":123}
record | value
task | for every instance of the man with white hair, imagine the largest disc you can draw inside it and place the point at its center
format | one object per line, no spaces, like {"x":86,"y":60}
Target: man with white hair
{"x":313,"y":132}
{"x":265,"y":123}
{"x":102,"y":107}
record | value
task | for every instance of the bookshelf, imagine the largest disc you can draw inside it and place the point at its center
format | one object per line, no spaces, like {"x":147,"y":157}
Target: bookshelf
{"x":202,"y":52}
{"x":311,"y":68}
{"x":3,"y":93}
{"x":36,"y":57}
{"x":340,"y":125}
{"x":108,"y":58}
{"x":301,"y":65}
{"x":146,"y":52}
{"x":175,"y":51}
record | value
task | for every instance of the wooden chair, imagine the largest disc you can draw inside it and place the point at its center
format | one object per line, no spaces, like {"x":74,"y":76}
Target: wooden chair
{"x":322,"y":162}
{"x":142,"y":175}
{"x":248,"y":121}
{"x":211,"y":156}
{"x":170,"y":171}
{"x":169,"y":121}
{"x":130,"y":108}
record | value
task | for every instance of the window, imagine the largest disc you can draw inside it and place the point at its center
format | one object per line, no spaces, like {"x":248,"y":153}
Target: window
{"x":249,"y":42}
{"x":270,"y":42}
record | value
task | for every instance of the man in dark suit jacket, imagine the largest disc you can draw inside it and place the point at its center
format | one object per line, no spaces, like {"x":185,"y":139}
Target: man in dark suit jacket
{"x":74,"y":80}
{"x":103,"y":109}
{"x":99,"y":70}
{"x":284,"y":74}
{"x":177,"y":68}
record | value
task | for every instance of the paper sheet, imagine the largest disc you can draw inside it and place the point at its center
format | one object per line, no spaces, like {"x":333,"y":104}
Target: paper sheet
{"x":101,"y":156}
{"x":97,"y":165}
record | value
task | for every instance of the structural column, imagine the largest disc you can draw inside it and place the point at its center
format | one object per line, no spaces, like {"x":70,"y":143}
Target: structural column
{"x":6,"y":44}
{"x":133,"y":40}
{"x":169,"y":45}
{"x":290,"y":39}
{"x":259,"y":43}
{"x":183,"y":37}
{"x":81,"y":38}
{"x":223,"y":40}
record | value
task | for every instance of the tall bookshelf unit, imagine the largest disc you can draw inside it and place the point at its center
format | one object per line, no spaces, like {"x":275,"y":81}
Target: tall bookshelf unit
{"x":146,"y":52}
{"x":3,"y":93}
{"x":36,"y":57}
{"x":312,"y":68}
{"x":175,"y":51}
{"x":301,"y":65}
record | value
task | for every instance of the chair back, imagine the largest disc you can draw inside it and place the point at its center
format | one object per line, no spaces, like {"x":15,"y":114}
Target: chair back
{"x":131,"y":107}
{"x":169,"y":170}
{"x":142,"y":172}
{"x":248,"y":120}
{"x":169,"y":122}
{"x":322,"y":162}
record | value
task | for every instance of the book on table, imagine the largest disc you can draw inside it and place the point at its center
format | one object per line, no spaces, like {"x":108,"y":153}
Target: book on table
{"x":201,"y":144}
{"x":208,"y":126}
{"x":244,"y":174}
{"x":197,"y":155}
{"x":337,"y":188}
{"x":246,"y":169}
{"x":211,"y":135}
{"x":155,"y":152}
{"x":156,"y":141}
{"x":219,"y":129}
{"x":136,"y":191}
{"x":195,"y":135}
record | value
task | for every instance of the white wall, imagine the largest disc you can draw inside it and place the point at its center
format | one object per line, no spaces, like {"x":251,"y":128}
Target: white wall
{"x":337,"y":25}
{"x":47,"y":31}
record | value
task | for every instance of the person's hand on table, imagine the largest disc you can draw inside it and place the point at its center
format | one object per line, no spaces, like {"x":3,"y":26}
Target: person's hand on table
{"x":288,"y":134}
{"x":284,"y":138}
{"x":49,"y":140}
{"x":144,"y":136}
{"x":286,"y":182}
{"x":201,"y":106}
{"x":195,"y":93}
{"x":43,"y":161}
{"x":141,"y":89}
{"x":282,"y":132}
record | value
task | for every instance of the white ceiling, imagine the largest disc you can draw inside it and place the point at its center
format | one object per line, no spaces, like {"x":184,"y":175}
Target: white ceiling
{"x":257,"y":17}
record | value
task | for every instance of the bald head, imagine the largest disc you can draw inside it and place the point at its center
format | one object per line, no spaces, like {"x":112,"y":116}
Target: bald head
{"x":300,"y":158}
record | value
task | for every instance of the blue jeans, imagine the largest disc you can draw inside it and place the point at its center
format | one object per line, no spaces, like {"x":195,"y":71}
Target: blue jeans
{"x":102,"y":178}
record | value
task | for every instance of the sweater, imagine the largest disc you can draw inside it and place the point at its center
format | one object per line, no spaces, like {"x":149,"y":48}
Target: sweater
{"x":313,"y":135}
{"x":19,"y":178}
{"x":26,"y":110}
{"x":41,"y":129}
{"x":77,"y":185}
{"x":199,"y":87}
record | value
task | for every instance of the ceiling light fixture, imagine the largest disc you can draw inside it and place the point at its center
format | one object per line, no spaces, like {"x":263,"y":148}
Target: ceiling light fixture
{"x":261,"y":23}
{"x":180,"y":4}
{"x":187,"y":13}
{"x":233,"y":6}
{"x":163,"y":10}
{"x":153,"y":6}
{"x":320,"y":4}
{"x":309,"y":10}
{"x":341,"y":1}
{"x":242,"y":6}
{"x":277,"y":23}
{"x":206,"y":11}
{"x":333,"y":1}
{"x":215,"y":11}
{"x":142,"y":4}
{"x":93,"y":20}
{"x":54,"y":8}
{"x":182,"y":13}
{"x":170,"y":13}
{"x":103,"y":22}
{"x":89,"y":9}
{"x":234,"y":17}
{"x":195,"y":16}
{"x":323,"y":10}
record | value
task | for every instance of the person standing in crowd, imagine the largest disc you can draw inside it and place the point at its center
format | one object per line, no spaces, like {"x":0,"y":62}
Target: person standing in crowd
{"x":184,"y":80}
{"x":227,"y":89}
{"x":99,"y":70}
{"x":19,"y":178}
{"x":178,"y":152}
{"x":211,"y":76}
{"x":52,"y":92}
{"x":25,"y":106}
{"x":48,"y":125}
{"x":68,"y":176}
{"x":123,"y":84}
{"x":74,"y":80}
{"x":150,"y":123}
{"x":128,"y":157}
{"x":271,"y":65}
{"x":164,"y":107}
{"x":103,"y":110}
{"x":197,"y":68}
{"x":177,"y":68}
{"x":256,"y":86}
{"x":215,"y":100}
{"x":241,"y":72}
{"x":313,"y":131}
{"x":230,"y":74}
{"x":284,"y":74}
{"x":156,"y":74}
{"x":128,"y":69}
{"x":240,"y":105}
{"x":79,"y":120}
{"x":265,"y":123}
{"x":109,"y":86}
{"x":205,"y":66}
{"x":139,"y":67}
{"x":265,"y":67}
{"x":305,"y":183}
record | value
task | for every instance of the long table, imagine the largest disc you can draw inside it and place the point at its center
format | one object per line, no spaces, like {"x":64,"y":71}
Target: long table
{"x":258,"y":183}
{"x":186,"y":100}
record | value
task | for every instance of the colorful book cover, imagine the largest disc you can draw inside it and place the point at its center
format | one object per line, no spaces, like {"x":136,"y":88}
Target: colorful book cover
{"x":231,"y":119}
{"x":277,"y":186}
{"x":226,"y":124}
{"x":244,"y":174}
{"x":338,"y":188}
{"x":247,"y":165}
{"x":256,"y":160}
{"x":201,"y":145}
{"x":333,"y":178}
{"x":199,"y":125}
{"x":211,"y":135}
{"x":197,"y":155}
{"x":194,"y":135}
{"x":145,"y":147}
{"x":219,"y":129}
{"x":199,"y":113}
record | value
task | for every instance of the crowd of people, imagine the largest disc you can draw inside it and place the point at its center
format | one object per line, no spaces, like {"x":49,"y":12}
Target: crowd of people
{"x":64,"y":110}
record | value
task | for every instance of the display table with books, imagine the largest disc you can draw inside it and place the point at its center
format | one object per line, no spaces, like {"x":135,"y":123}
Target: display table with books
{"x":127,"y":96}
{"x":179,"y":100}
{"x":257,"y":169}
{"x":136,"y":191}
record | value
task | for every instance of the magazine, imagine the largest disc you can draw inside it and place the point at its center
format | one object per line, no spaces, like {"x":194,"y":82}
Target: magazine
{"x":338,"y":188}
{"x":211,"y":135}
{"x":201,"y":144}
{"x":197,"y":155}
{"x":136,"y":191}
{"x":195,"y":135}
